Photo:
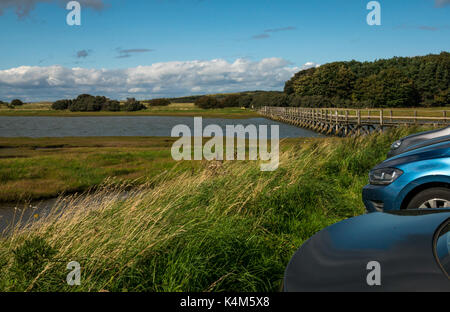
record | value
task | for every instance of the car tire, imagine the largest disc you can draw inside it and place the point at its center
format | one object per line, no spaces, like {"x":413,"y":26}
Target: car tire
{"x":436,"y":197}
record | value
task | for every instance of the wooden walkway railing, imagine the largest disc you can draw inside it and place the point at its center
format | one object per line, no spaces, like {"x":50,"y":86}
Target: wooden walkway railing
{"x":347,"y":122}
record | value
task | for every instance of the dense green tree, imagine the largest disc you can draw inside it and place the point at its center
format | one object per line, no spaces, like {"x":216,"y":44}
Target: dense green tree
{"x":396,"y":82}
{"x":270,"y":99}
{"x":159,"y":102}
{"x":231,"y":101}
{"x":61,"y":104}
{"x":207,"y":102}
{"x":16,"y":102}
{"x":111,"y":106}
{"x":83,"y":103}
{"x":132,"y":105}
{"x":245,"y":100}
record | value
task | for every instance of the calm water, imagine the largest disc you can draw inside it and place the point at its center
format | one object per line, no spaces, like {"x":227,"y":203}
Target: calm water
{"x":36,"y":127}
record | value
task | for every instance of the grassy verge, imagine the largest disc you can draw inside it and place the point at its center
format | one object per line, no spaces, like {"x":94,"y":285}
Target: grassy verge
{"x":32,"y":169}
{"x":179,"y":109}
{"x":226,"y":227}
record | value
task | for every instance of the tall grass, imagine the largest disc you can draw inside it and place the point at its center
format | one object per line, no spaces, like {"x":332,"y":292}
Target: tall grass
{"x":229,"y":227}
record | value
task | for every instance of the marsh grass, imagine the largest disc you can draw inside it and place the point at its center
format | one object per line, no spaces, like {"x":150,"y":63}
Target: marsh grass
{"x":227,"y":227}
{"x":33,"y":169}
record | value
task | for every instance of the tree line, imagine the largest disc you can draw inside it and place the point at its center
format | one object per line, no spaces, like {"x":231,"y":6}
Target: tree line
{"x":12,"y":104}
{"x":422,"y":81}
{"x":90,"y":103}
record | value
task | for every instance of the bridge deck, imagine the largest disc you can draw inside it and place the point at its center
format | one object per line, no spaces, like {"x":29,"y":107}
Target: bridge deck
{"x":346,"y":122}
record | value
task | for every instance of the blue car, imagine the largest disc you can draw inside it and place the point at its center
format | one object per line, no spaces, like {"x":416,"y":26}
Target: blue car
{"x":416,"y":176}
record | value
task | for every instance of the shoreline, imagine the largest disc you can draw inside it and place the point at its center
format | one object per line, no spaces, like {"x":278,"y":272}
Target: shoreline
{"x":245,"y":114}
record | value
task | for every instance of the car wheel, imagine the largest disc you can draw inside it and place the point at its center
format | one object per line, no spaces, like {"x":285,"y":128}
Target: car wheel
{"x":436,"y":197}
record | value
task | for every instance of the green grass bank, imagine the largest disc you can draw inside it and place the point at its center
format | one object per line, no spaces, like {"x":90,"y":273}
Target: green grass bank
{"x":226,"y":227}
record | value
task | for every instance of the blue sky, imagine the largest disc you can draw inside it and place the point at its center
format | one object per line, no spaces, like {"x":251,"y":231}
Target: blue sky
{"x":139,"y":47}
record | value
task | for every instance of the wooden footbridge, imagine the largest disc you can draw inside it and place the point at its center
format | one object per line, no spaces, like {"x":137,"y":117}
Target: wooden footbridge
{"x":352,"y":122}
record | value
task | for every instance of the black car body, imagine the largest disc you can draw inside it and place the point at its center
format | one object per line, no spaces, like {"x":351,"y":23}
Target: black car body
{"x":412,"y":248}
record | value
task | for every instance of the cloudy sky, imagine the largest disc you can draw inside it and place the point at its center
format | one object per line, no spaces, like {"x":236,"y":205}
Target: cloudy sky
{"x":164,"y":48}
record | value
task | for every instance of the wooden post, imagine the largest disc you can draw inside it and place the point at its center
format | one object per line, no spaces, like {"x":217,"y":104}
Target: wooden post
{"x":358,"y":114}
{"x":415,"y":117}
{"x":337,"y":122}
{"x":390,"y":113}
{"x":381,"y":119}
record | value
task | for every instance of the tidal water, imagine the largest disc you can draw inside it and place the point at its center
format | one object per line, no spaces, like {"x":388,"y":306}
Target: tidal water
{"x":38,"y":127}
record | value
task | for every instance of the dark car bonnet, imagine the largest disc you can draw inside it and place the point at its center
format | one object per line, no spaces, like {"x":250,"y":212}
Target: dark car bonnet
{"x":419,"y":140}
{"x":336,"y":258}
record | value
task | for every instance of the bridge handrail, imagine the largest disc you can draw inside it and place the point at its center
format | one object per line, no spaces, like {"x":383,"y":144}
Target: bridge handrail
{"x":374,"y":116}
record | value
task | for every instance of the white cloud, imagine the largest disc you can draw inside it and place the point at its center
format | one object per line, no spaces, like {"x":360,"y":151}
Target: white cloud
{"x":33,"y":83}
{"x":310,"y":65}
{"x":137,"y":90}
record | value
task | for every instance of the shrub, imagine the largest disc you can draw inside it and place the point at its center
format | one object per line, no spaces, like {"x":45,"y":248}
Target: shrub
{"x":207,"y":102}
{"x":112,"y":106}
{"x":82,"y":103}
{"x":131,"y":105}
{"x":61,"y":104}
{"x":30,"y":258}
{"x":16,"y":102}
{"x":100,"y":102}
{"x":88,"y":103}
{"x":159,"y":102}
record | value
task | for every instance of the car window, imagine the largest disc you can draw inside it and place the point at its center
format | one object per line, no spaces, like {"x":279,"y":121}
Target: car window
{"x":443,"y":248}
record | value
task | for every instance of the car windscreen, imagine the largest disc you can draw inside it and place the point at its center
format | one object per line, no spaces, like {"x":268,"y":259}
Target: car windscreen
{"x":442,"y":247}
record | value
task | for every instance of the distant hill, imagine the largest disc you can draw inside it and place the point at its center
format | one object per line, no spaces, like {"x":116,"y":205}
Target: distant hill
{"x":397,"y":82}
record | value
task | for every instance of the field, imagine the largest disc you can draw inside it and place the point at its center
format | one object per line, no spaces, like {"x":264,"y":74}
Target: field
{"x":227,"y":227}
{"x":176,"y":109}
{"x":403,"y":112}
